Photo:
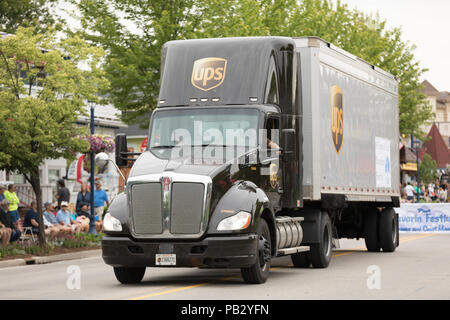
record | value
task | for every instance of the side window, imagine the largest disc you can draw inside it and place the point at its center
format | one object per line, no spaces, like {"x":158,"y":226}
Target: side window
{"x":273,"y":138}
{"x":272,"y":84}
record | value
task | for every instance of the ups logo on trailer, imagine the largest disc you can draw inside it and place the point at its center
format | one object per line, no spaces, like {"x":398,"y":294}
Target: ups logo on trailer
{"x":337,"y":118}
{"x":208,"y":73}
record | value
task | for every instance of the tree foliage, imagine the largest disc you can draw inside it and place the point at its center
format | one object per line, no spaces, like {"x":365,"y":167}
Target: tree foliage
{"x":133,"y":61}
{"x":44,"y":90}
{"x":428,"y":169}
{"x":26,"y":13}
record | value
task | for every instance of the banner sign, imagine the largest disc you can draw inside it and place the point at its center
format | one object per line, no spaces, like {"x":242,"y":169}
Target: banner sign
{"x":424,"y":217}
{"x":74,"y":171}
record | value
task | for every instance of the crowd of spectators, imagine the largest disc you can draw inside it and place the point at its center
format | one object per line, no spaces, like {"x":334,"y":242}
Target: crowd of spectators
{"x":59,"y":218}
{"x":420,"y":192}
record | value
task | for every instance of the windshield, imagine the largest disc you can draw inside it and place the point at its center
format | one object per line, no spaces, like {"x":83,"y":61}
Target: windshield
{"x":229,"y":127}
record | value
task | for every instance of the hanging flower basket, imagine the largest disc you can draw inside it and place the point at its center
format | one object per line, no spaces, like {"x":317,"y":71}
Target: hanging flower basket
{"x":98,"y":144}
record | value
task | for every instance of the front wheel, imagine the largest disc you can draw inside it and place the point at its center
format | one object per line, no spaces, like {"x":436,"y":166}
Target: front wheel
{"x":259,"y":272}
{"x":127,"y":275}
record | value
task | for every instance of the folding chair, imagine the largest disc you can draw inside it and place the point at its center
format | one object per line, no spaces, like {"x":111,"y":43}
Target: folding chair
{"x":27,"y":233}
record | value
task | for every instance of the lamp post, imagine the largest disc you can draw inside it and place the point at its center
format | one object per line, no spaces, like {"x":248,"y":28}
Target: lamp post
{"x":92,"y":218}
{"x":415,"y":144}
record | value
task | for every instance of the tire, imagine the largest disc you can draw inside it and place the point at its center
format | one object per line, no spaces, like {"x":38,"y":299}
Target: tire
{"x":371,"y":221}
{"x":388,"y":230}
{"x":259,"y":272}
{"x":301,"y":260}
{"x":126,"y":275}
{"x":320,"y":253}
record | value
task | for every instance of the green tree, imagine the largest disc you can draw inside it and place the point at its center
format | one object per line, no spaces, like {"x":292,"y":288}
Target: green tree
{"x":44,"y":90}
{"x":134,"y":56}
{"x":428,"y":169}
{"x":27,"y":13}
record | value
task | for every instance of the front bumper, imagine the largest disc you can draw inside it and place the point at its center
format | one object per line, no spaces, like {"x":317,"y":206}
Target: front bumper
{"x":215,"y":252}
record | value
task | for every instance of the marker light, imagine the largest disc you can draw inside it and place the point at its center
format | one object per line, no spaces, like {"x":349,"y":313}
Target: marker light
{"x":239,"y":221}
{"x":203,"y":99}
{"x":193,"y":99}
{"x":111,"y":224}
{"x":162,"y":101}
{"x":215,"y":99}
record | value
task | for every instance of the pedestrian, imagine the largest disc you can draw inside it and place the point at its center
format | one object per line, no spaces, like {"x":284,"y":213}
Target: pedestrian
{"x":83,"y":197}
{"x":6,"y":220}
{"x":32,"y":220}
{"x":14,"y":201}
{"x":63,"y":194}
{"x":427,"y":196}
{"x":100,"y":198}
{"x":2,"y":190}
{"x":82,"y":217}
{"x":442,"y":194}
{"x":410,"y":192}
{"x":52,"y":223}
{"x":64,"y":218}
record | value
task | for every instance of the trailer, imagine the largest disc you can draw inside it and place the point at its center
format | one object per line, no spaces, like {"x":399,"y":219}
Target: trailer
{"x":259,"y":147}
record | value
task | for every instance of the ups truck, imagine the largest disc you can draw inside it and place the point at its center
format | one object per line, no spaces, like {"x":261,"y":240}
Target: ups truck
{"x":259,"y":147}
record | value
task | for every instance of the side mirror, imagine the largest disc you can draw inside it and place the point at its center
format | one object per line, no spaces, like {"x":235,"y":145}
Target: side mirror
{"x":101,"y":160}
{"x":288,"y":136}
{"x":121,"y":148}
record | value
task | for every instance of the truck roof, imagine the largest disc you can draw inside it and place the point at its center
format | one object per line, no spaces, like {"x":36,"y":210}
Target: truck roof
{"x":312,"y":41}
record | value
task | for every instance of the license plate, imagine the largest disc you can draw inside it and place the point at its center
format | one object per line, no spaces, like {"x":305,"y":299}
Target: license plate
{"x":166,"y":259}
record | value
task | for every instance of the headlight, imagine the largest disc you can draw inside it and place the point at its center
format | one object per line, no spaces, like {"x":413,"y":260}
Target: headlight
{"x":111,"y":224}
{"x":239,"y":221}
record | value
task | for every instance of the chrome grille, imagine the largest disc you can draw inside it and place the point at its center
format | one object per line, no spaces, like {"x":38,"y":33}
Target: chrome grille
{"x":186,"y":207}
{"x":146,"y":208}
{"x":175,"y":209}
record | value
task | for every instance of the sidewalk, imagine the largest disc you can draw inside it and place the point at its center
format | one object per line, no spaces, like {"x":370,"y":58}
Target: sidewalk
{"x":50,"y":259}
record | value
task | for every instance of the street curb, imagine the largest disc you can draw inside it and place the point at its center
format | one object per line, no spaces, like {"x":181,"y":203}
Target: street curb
{"x":67,"y":256}
{"x":12,"y":263}
{"x":50,"y":259}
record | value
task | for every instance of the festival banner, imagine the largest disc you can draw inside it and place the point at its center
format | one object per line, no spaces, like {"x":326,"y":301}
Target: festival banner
{"x":424,"y":217}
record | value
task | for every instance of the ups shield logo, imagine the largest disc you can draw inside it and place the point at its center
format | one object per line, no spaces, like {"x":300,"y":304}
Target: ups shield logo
{"x":208,"y":73}
{"x":337,"y":118}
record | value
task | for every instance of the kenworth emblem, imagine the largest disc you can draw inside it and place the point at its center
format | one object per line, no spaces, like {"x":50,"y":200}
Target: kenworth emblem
{"x":166,"y":183}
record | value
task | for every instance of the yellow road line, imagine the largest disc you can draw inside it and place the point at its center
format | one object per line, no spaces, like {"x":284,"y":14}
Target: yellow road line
{"x":422,"y":236}
{"x":349,"y":251}
{"x":171,"y":291}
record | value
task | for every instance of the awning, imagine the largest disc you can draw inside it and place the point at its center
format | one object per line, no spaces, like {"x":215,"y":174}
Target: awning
{"x":409,"y":166}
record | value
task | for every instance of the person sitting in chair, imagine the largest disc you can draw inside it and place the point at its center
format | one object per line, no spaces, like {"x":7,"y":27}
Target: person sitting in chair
{"x":32,"y":220}
{"x":6,"y":221}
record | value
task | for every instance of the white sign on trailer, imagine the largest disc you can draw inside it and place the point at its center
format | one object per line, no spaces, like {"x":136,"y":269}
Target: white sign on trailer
{"x":383,"y":162}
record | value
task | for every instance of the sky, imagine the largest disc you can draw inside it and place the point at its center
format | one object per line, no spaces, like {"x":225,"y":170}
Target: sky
{"x":425,"y":23}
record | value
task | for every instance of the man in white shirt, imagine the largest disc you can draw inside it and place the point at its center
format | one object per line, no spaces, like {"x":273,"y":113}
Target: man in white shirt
{"x":410,"y":192}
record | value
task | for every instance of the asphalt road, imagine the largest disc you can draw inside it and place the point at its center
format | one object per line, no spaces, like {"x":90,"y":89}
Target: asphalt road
{"x":419,"y":269}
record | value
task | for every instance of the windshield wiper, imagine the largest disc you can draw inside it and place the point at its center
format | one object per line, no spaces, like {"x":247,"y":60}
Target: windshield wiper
{"x":163,"y":147}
